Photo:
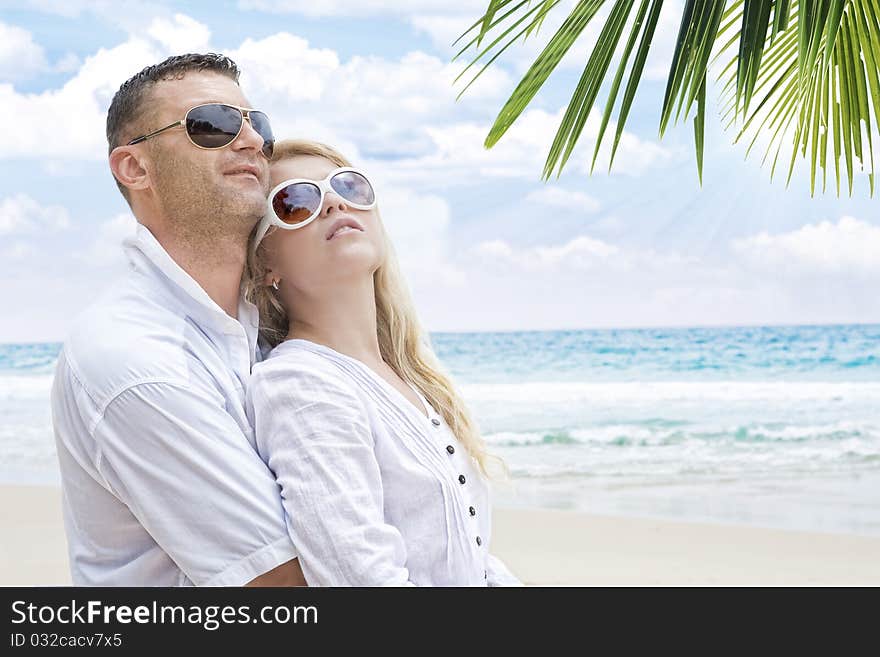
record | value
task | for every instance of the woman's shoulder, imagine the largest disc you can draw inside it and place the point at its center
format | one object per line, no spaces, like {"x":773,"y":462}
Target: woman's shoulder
{"x":301,"y":366}
{"x":291,"y":359}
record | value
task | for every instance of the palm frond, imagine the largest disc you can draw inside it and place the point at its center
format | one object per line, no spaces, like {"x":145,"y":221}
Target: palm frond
{"x":588,"y":88}
{"x":801,"y":73}
{"x":531,"y":17}
{"x":635,"y":74}
{"x":822,"y":94}
{"x":543,"y":66}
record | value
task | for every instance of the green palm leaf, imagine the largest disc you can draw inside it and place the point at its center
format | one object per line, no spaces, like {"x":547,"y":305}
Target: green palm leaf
{"x":828,"y":95}
{"x":801,"y":73}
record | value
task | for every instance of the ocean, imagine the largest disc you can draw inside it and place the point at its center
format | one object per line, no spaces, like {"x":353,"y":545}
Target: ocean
{"x":765,"y":426}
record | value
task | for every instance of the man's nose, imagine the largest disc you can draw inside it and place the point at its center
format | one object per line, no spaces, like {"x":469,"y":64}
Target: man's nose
{"x":248,"y":138}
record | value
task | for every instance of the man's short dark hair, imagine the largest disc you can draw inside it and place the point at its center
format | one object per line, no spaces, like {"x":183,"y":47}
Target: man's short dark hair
{"x":128,"y":103}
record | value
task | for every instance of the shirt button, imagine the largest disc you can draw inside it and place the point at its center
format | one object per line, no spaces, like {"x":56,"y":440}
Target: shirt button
{"x":450,"y":449}
{"x":435,"y":422}
{"x":479,"y":541}
{"x":485,"y":574}
{"x":473,"y":511}
{"x":461,"y":479}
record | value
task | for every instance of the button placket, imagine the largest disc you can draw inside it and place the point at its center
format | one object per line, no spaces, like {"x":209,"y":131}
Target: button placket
{"x":456,"y":463}
{"x":450,"y":449}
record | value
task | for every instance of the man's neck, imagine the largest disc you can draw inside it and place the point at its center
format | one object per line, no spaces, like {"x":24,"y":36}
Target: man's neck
{"x":215,"y":263}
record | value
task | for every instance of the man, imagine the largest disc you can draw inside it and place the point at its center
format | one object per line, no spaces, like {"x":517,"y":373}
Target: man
{"x":161,"y":483}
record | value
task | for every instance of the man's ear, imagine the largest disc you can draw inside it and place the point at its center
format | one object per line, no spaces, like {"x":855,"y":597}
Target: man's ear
{"x":126,"y":163}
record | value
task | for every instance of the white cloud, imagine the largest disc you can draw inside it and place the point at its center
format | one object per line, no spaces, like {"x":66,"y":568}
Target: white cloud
{"x":311,"y":91}
{"x":418,"y":226}
{"x":578,"y":254}
{"x":69,"y":8}
{"x":75,"y":114}
{"x":495,"y":249}
{"x":557,"y":197}
{"x":130,"y":16}
{"x":582,"y":281}
{"x":847,"y":249}
{"x":282,"y":67}
{"x":444,"y":22}
{"x":20,"y":57}
{"x":444,"y":30}
{"x":106,"y":249}
{"x":444,"y":27}
{"x":68,"y":63}
{"x":180,"y":34}
{"x":818,"y":273}
{"x":459,"y":157}
{"x":22,"y":214}
{"x":18,"y":251}
{"x":582,"y":252}
{"x":848,"y":246}
{"x":363,"y":7}
{"x":384,"y":106}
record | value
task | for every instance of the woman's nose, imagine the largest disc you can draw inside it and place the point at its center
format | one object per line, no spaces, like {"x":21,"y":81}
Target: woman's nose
{"x":334,"y":203}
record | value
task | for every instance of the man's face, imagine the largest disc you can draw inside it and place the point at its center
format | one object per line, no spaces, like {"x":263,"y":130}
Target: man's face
{"x":205,"y":191}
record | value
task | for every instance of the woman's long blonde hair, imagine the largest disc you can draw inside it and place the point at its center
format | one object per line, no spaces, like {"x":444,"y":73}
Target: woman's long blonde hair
{"x":402,"y":343}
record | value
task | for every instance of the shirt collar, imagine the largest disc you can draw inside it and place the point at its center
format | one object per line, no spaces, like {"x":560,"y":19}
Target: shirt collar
{"x":146,"y":254}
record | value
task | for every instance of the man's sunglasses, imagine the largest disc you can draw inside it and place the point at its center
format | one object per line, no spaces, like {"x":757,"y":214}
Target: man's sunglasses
{"x":215,"y":125}
{"x":297,"y":202}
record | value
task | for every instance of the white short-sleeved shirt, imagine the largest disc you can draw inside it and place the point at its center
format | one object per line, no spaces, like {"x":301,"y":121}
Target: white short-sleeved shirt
{"x":161,"y":482}
{"x":376,"y":491}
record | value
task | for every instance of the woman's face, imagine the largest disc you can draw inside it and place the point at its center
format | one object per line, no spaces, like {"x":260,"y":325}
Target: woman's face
{"x":316,"y":256}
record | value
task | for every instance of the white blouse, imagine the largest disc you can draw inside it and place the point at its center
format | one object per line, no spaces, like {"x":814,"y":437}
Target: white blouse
{"x":375,"y":493}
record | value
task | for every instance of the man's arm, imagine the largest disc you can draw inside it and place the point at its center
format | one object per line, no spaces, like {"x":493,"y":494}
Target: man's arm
{"x":287,"y":574}
{"x":180,"y":462}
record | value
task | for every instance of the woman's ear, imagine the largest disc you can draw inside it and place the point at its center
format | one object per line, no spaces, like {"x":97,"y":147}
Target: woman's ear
{"x":269,"y":278}
{"x":128,"y":168}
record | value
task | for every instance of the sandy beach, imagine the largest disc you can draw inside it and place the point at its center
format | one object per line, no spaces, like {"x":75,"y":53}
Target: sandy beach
{"x":542,"y":547}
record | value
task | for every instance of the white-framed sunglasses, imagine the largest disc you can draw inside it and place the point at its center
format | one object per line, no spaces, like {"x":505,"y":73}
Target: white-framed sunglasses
{"x":297,"y":202}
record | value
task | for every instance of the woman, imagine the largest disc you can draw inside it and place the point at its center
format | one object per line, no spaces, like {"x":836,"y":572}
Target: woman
{"x":382,"y":472}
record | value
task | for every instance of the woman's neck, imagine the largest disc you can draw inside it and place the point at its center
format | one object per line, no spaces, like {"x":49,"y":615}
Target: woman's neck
{"x":341,"y":316}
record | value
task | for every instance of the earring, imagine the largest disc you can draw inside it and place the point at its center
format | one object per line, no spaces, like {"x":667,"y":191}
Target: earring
{"x":275,"y":284}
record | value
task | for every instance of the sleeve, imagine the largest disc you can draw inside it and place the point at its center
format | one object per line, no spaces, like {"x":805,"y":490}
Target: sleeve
{"x":183,"y":466}
{"x":313,"y":431}
{"x":498,"y":574}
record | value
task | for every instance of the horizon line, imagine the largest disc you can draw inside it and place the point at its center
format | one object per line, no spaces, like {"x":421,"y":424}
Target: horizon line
{"x":674,"y":327}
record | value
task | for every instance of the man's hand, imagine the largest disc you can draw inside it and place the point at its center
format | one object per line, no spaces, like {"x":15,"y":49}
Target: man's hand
{"x":287,"y":574}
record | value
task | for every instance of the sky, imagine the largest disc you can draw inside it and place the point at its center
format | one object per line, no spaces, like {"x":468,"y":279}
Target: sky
{"x":485,"y":244}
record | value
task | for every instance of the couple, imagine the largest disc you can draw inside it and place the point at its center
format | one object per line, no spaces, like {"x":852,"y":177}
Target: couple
{"x":190,"y":453}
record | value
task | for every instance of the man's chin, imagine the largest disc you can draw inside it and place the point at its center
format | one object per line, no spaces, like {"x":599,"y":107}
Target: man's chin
{"x":254,"y":211}
{"x":250,"y":203}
